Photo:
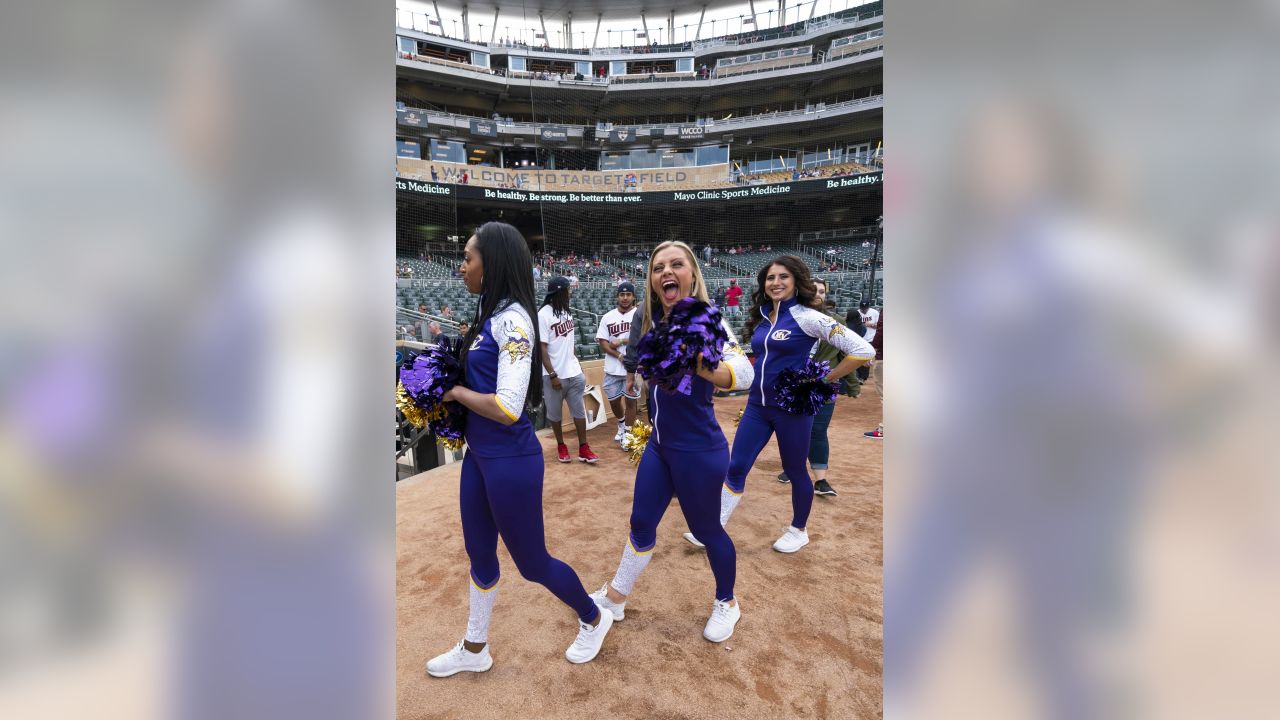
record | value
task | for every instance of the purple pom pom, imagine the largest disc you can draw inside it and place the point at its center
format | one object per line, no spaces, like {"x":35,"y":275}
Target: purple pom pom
{"x":667,"y":355}
{"x":452,"y":426}
{"x":432,"y":374}
{"x":803,"y":391}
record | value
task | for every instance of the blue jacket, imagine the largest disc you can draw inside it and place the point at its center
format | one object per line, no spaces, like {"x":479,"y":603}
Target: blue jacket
{"x":788,"y":342}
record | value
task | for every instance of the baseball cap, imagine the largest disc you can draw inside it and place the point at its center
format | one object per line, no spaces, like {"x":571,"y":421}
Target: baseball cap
{"x":864,"y":304}
{"x":625,"y":286}
{"x":556,"y":284}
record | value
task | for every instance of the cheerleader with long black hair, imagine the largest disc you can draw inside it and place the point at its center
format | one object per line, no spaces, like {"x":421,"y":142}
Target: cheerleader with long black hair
{"x":501,"y":484}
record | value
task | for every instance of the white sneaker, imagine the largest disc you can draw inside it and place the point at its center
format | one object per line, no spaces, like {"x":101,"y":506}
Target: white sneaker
{"x":586,"y":646}
{"x":618,"y":610}
{"x":791,"y":540}
{"x":692,"y":539}
{"x":459,"y":659}
{"x":622,"y":432}
{"x":720,"y":625}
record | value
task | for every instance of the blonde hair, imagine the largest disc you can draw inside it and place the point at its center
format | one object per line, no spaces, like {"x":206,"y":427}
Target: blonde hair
{"x":699,"y":289}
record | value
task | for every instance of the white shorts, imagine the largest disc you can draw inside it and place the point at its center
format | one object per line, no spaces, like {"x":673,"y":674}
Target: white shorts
{"x":615,"y":386}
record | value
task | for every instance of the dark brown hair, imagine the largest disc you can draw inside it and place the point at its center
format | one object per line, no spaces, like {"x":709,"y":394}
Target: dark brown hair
{"x":806,"y":291}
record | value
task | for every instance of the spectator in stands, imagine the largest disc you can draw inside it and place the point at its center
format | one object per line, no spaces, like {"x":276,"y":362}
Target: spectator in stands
{"x":434,"y":176}
{"x":434,"y":333}
{"x":719,"y":296}
{"x":463,"y":327}
{"x":703,"y":72}
{"x":562,"y":378}
{"x":706,"y":251}
{"x":464,"y":177}
{"x":446,"y":311}
{"x":537,"y":273}
{"x":732,"y":297}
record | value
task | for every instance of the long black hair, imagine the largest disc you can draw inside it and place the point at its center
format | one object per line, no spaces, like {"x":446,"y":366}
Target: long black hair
{"x":806,"y":290}
{"x":559,"y":301}
{"x":508,"y":278}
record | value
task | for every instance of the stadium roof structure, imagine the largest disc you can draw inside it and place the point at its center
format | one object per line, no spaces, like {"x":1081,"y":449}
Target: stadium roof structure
{"x":609,"y":9}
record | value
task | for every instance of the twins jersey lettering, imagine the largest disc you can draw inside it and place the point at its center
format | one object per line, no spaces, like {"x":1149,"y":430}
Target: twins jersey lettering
{"x":615,"y":327}
{"x":557,"y":334}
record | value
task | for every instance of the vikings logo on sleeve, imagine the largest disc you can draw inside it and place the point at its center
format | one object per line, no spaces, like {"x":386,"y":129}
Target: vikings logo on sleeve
{"x":517,"y":345}
{"x":836,"y":329}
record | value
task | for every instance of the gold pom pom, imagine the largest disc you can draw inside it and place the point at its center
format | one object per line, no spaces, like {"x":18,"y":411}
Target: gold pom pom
{"x":451,"y":444}
{"x":412,"y":412}
{"x":635,"y":441}
{"x":738,"y":419}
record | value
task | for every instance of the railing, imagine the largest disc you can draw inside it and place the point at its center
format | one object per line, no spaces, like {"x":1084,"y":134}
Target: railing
{"x":684,"y":76}
{"x":731,"y":122}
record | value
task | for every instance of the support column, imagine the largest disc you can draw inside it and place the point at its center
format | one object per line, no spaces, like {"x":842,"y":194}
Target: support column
{"x":596,"y":37}
{"x":697,"y":34}
{"x":493,"y":35}
{"x":755,"y":21}
{"x":671,"y":28}
{"x":645,"y":24}
{"x":543,"y":24}
{"x":466,"y":26}
{"x":812,"y":7}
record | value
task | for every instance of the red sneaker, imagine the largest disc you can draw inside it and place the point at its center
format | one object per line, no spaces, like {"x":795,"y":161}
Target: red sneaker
{"x":585,"y":455}
{"x":563,"y":451}
{"x":876,"y":434}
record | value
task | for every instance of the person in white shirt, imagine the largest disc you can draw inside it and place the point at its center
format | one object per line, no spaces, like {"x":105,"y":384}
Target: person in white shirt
{"x":613,"y":334}
{"x":870,"y":318}
{"x":562,"y":377}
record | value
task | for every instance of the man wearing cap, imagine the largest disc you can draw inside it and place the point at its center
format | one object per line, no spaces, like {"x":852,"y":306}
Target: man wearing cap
{"x":613,"y":335}
{"x":870,"y":320}
{"x":562,"y":378}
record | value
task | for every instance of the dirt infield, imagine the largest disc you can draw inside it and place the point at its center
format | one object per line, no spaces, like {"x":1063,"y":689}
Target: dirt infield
{"x":808,"y":645}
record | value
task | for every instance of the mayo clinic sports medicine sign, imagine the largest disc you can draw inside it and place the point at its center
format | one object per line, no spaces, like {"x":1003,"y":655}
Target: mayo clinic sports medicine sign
{"x":584,"y":196}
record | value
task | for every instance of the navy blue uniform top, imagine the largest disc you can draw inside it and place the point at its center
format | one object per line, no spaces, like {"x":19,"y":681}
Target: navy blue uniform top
{"x":499,"y":362}
{"x":788,"y":342}
{"x":688,"y":422}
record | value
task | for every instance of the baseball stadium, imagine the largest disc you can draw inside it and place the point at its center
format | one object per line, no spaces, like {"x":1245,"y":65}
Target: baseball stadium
{"x":601,"y":131}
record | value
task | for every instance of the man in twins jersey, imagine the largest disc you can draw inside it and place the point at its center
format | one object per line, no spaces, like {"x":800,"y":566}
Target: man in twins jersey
{"x":613,"y":335}
{"x":562,"y":378}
